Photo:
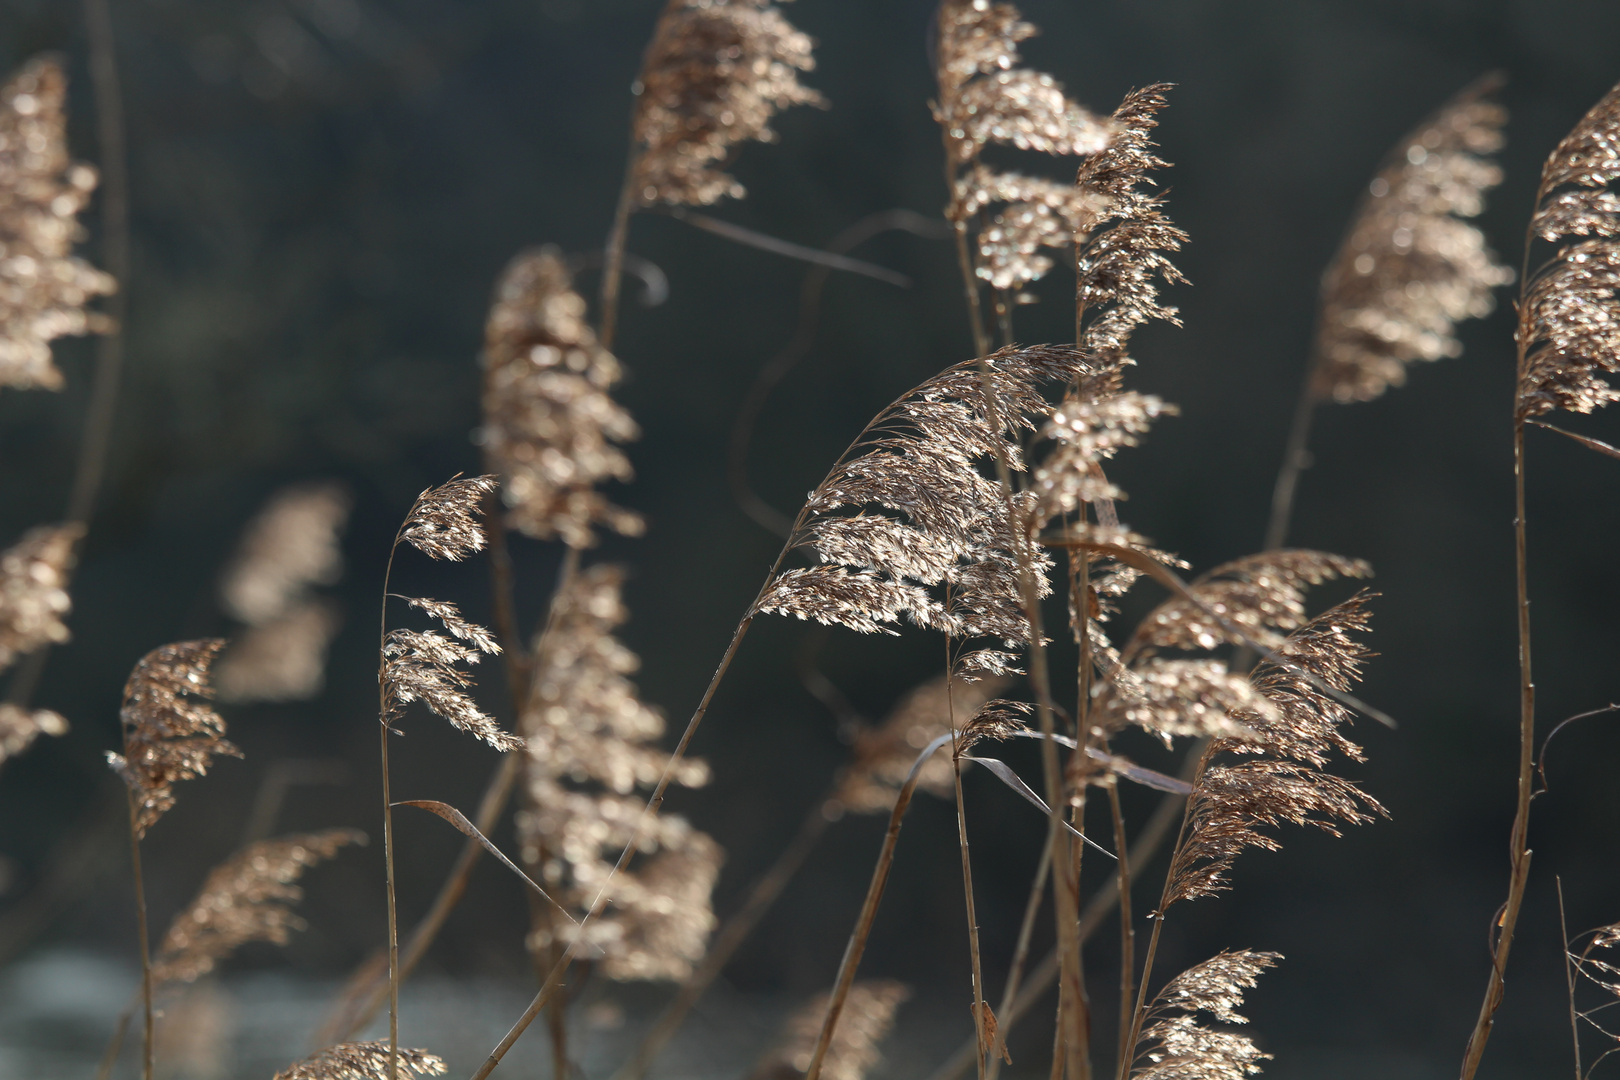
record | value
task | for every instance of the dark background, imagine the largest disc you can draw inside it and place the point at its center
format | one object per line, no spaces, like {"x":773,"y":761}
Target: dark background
{"x":324,"y":191}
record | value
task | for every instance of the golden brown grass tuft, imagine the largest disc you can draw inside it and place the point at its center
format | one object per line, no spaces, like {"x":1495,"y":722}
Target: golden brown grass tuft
{"x":364,"y":1061}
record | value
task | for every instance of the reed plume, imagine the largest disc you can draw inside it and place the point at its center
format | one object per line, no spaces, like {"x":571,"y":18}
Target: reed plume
{"x":550,"y":425}
{"x":34,"y":600}
{"x":43,"y":287}
{"x":1177,"y":1047}
{"x":364,"y":1061}
{"x":248,"y":897}
{"x":854,"y":1049}
{"x":290,"y":546}
{"x":592,"y":746}
{"x":19,"y":728}
{"x":715,"y":74}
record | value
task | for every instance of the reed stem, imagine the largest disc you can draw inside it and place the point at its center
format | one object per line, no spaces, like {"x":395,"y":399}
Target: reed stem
{"x":1127,"y":928}
{"x":141,"y":936}
{"x":613,"y":265}
{"x":967,"y":860}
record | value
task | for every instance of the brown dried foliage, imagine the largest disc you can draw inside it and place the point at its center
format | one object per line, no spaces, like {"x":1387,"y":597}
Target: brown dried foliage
{"x":19,"y":728}
{"x":43,"y":287}
{"x":985,"y":98}
{"x":362,"y":1061}
{"x":248,"y":897}
{"x":170,"y":732}
{"x":592,"y":744}
{"x":715,"y":74}
{"x":1411,"y":267}
{"x":1175,"y":1046}
{"x":422,"y":665}
{"x":550,"y":425}
{"x":34,"y":575}
{"x":867,"y":1016}
{"x":1569,"y":317}
{"x":443,"y":522}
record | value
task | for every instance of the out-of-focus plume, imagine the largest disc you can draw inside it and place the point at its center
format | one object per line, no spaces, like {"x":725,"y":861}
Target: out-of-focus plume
{"x":865,"y":1020}
{"x":1569,"y":318}
{"x":362,"y":1061}
{"x":43,"y":287}
{"x":291,"y":546}
{"x":1411,"y":266}
{"x":985,"y":98}
{"x":194,"y":1033}
{"x":592,"y":745}
{"x":170,"y":732}
{"x":550,"y":425}
{"x":1175,"y":1046}
{"x":248,"y":897}
{"x":33,"y":590}
{"x":19,"y":727}
{"x":715,"y":74}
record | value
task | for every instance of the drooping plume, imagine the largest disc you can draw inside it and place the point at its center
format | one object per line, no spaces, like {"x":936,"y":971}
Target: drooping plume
{"x":551,"y":428}
{"x":985,"y":98}
{"x":867,"y":1016}
{"x":362,"y":1061}
{"x":291,"y":546}
{"x":715,"y":74}
{"x":43,"y":287}
{"x":248,"y":897}
{"x":1175,"y":1046}
{"x":592,"y":745}
{"x":1411,"y":266}
{"x":1569,"y":318}
{"x":33,"y":590}
{"x":423,"y":665}
{"x":170,"y":732}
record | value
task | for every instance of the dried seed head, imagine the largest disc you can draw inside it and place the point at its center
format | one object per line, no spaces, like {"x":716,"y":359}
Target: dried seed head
{"x":1176,"y":1047}
{"x":170,"y":733}
{"x":43,"y":288}
{"x":550,"y":425}
{"x":443,"y":522}
{"x":34,"y":599}
{"x":422,"y":666}
{"x":248,"y":897}
{"x":867,"y":1015}
{"x":1411,"y":267}
{"x":715,"y":74}
{"x":1569,"y":320}
{"x":362,"y":1061}
{"x":19,"y":727}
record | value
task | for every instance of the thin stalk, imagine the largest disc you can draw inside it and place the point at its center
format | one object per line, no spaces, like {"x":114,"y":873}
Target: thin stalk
{"x":981,"y":337}
{"x":737,"y":928}
{"x":109,"y":1056}
{"x":863,"y":924}
{"x":1569,"y":978}
{"x":1519,"y":852}
{"x":1127,"y":928}
{"x":613,"y":265}
{"x":141,"y":936}
{"x":388,"y":819}
{"x":967,"y":861}
{"x":1004,"y":317}
{"x":1296,"y":459}
{"x":1015,"y":972}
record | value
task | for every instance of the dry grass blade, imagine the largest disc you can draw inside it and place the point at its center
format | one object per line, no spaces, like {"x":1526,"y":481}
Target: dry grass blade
{"x":715,"y":74}
{"x":1175,"y":1046}
{"x":1590,"y":443}
{"x":551,"y":428}
{"x":853,"y":1053}
{"x":248,"y":897}
{"x":459,"y":821}
{"x":443,"y":522}
{"x":43,"y":287}
{"x":1410,"y":266}
{"x":34,"y":600}
{"x":362,"y":1061}
{"x":170,"y":733}
{"x":1569,"y":319}
{"x":19,"y":727}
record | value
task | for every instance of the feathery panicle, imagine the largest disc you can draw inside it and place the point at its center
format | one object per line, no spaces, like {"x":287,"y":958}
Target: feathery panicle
{"x":1084,"y":433}
{"x":1117,"y":266}
{"x":946,"y":553}
{"x":588,"y":731}
{"x":1411,"y":267}
{"x":443,"y":522}
{"x":283,"y":659}
{"x":883,"y":755}
{"x":420,"y":665}
{"x":1175,"y":1046}
{"x":1278,"y":773}
{"x":170,"y":732}
{"x":248,"y":897}
{"x":19,"y":727}
{"x":986,"y":98}
{"x":362,"y":1061}
{"x":43,"y":287}
{"x":289,"y":546}
{"x":550,"y":424}
{"x":867,"y":1016}
{"x":1569,"y":320}
{"x":715,"y":74}
{"x":1171,"y":698}
{"x":33,"y":590}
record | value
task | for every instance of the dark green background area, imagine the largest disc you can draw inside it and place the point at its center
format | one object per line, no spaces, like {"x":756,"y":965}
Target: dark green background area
{"x":324,"y":191}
